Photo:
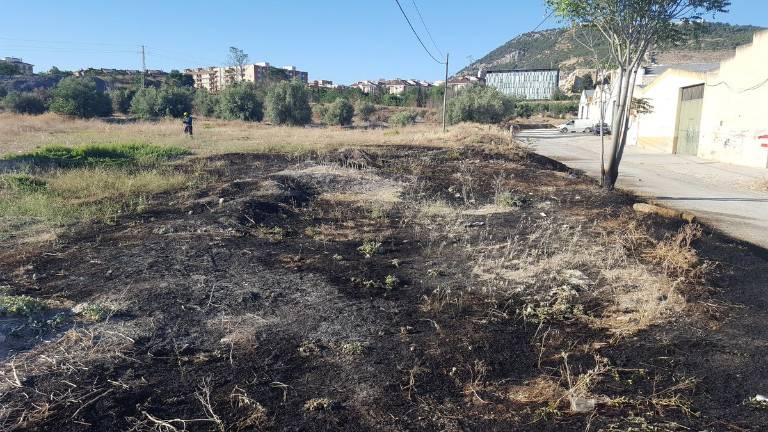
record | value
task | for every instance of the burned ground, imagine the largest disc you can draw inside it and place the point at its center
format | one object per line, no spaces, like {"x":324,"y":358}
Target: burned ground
{"x":389,"y":289}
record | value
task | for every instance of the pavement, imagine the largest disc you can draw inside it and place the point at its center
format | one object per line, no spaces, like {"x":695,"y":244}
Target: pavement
{"x":723,"y":196}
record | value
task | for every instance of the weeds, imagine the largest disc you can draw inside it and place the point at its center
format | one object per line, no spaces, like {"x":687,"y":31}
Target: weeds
{"x":95,"y":312}
{"x":352,"y":349}
{"x":370,"y":248}
{"x":319,"y":404}
{"x":678,"y":259}
{"x":22,"y":306}
{"x":391,"y":282}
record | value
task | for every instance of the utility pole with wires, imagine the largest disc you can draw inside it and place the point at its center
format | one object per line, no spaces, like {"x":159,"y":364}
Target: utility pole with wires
{"x":429,"y":53}
{"x":143,"y":66}
{"x":445,"y":94}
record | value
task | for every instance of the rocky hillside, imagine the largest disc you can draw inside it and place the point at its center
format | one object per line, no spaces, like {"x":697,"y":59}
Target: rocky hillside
{"x":558,"y":48}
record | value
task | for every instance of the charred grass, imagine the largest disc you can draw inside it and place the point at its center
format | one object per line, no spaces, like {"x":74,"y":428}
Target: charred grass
{"x":389,"y":288}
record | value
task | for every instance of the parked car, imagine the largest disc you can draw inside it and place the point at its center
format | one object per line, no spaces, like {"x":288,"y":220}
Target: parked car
{"x":583,"y":126}
{"x":606,"y":129}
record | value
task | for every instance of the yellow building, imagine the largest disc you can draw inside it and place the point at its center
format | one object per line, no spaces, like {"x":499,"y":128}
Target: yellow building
{"x":716,"y":113}
{"x":659,"y":128}
{"x":734,"y":118}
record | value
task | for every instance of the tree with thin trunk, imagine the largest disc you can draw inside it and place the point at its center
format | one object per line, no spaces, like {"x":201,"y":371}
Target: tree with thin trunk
{"x":630,"y":28}
{"x":238,"y":59}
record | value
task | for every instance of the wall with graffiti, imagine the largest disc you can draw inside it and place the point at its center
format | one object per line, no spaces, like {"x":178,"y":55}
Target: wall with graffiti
{"x":734,"y":123}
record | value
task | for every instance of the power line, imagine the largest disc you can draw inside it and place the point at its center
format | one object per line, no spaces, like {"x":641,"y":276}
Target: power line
{"x":416,"y":34}
{"x":544,"y":20}
{"x":426,"y":28}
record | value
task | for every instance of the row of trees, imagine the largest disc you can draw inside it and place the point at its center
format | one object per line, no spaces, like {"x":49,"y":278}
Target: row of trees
{"x":488,"y":105}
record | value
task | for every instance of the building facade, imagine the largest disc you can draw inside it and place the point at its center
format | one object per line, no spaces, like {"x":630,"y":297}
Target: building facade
{"x":711,"y":111}
{"x":24,"y":68}
{"x":215,"y":79}
{"x":525,"y":84}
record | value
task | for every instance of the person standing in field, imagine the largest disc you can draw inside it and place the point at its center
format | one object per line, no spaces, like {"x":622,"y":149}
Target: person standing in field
{"x":187,"y":122}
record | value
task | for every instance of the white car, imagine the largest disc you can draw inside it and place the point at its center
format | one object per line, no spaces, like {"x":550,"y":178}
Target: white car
{"x":583,"y":126}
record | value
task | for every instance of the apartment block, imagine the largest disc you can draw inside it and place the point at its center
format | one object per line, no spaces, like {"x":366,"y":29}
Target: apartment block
{"x":215,"y":79}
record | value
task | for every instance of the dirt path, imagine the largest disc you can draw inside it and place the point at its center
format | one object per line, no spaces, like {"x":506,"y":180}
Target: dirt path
{"x":407,"y":289}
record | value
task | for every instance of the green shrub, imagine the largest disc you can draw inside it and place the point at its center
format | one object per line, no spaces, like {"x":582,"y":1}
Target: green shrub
{"x":144,"y":103}
{"x":121,"y":100}
{"x":3,"y":92}
{"x":319,"y":111}
{"x":240,"y":102}
{"x":22,"y":183}
{"x":168,"y":101}
{"x":403,"y":118}
{"x":80,"y":97}
{"x":365,"y":110}
{"x":205,"y":103}
{"x":24,"y":306}
{"x":340,"y":112}
{"x":288,"y":103}
{"x":24,"y":103}
{"x":174,"y":101}
{"x":479,"y":104}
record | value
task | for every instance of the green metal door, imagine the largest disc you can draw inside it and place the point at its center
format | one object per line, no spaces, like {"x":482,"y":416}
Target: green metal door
{"x":689,"y":120}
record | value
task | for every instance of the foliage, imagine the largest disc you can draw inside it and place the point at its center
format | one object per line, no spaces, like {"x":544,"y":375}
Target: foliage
{"x":54,"y":71}
{"x":178,"y":79}
{"x":100,"y":154}
{"x":205,"y":103}
{"x":240,"y":102}
{"x":174,"y":101}
{"x":8,"y":69}
{"x":340,"y":112}
{"x":288,"y":103}
{"x":24,"y":306}
{"x":237,"y":59}
{"x":479,"y":104}
{"x":80,"y":97}
{"x":24,"y":103}
{"x":167,"y":101}
{"x":121,"y":100}
{"x":403,"y":118}
{"x":3,"y":92}
{"x":328,"y":95}
{"x":364,"y":110}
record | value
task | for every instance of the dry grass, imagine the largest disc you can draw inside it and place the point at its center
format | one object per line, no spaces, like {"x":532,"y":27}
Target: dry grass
{"x":80,"y":195}
{"x":21,"y":133}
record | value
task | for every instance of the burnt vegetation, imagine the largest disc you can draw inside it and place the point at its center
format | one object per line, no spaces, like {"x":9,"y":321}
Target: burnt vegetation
{"x":385,"y":288}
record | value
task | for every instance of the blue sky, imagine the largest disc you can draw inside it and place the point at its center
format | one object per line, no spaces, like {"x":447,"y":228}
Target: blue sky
{"x":341,"y":40}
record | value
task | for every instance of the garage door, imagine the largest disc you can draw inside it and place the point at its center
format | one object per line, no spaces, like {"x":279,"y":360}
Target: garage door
{"x":689,"y":120}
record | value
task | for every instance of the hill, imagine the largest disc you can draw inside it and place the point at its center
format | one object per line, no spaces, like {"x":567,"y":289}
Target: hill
{"x":558,"y":48}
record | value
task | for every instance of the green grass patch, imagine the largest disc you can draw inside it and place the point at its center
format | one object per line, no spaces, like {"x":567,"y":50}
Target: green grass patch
{"x":22,"y":183}
{"x":100,"y":154}
{"x":21,"y":306}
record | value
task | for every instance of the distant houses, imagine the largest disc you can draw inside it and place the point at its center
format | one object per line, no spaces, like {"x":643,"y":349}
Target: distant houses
{"x":710,"y":110}
{"x":215,"y":79}
{"x":24,"y":68}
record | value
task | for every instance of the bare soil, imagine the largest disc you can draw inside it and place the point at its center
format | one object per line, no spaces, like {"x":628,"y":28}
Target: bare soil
{"x":249,"y":305}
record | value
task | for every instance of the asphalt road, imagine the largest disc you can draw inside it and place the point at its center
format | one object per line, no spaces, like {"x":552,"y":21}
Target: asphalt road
{"x":723,"y":196}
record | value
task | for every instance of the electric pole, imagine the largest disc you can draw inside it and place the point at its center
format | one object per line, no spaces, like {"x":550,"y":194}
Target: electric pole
{"x":143,"y":66}
{"x":445,"y":92}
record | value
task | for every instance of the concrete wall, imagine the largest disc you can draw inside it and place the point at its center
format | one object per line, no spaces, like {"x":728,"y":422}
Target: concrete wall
{"x":656,"y":131}
{"x":734,"y":115}
{"x":526,"y":84}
